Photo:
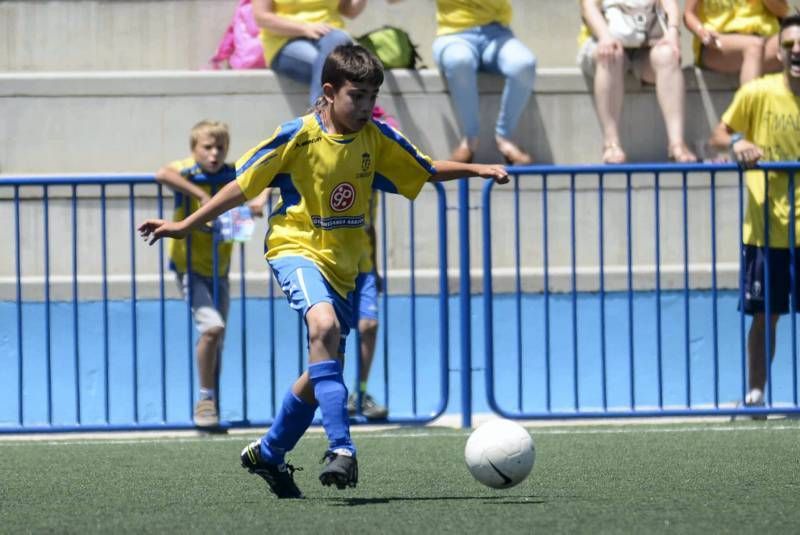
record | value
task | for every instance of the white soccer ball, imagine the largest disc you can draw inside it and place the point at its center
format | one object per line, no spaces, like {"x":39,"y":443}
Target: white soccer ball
{"x":500,"y":454}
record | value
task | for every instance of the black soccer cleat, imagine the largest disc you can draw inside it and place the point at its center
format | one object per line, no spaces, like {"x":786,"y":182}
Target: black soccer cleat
{"x":280,"y":478}
{"x":340,"y":470}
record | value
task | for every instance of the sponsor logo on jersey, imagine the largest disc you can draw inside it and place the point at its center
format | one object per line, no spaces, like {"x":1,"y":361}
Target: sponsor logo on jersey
{"x":343,"y":197}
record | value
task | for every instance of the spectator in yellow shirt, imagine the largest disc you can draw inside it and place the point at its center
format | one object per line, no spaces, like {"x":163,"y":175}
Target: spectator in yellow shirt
{"x":297,"y":36}
{"x":761,"y":125}
{"x":736,"y":36}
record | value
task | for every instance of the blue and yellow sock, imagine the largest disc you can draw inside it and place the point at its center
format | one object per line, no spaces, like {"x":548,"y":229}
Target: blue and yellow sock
{"x":331,"y":395}
{"x":292,"y":420}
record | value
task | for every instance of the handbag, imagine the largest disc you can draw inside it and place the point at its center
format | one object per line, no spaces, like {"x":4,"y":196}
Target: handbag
{"x":636,"y":23}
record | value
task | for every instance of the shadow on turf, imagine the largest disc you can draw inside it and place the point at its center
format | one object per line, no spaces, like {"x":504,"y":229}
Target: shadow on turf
{"x":488,"y":500}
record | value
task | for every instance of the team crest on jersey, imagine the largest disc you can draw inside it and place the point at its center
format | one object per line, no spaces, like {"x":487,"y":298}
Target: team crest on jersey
{"x":343,"y":197}
{"x":365,"y":161}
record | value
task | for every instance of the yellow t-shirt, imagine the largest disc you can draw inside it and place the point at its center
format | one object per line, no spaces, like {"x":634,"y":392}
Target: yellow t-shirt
{"x":458,"y":15}
{"x":307,"y":11}
{"x":202,"y":241}
{"x":767,"y":113}
{"x":735,"y":16}
{"x":326,"y":184}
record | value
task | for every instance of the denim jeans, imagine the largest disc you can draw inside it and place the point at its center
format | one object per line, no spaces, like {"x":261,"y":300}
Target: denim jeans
{"x":302,"y":59}
{"x":491,"y":48}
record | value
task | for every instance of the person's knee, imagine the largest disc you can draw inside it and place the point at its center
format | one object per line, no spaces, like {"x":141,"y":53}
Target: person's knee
{"x":214,"y":334}
{"x":323,"y":328}
{"x":754,"y":49}
{"x":368,"y":327}
{"x":523,"y":71}
{"x":664,"y":57}
{"x":457,"y":59}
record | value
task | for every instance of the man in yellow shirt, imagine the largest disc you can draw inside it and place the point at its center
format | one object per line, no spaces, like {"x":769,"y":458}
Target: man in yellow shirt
{"x":763,"y":123}
{"x":325,"y":165}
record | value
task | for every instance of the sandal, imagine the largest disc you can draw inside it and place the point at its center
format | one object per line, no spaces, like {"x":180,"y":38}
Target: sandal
{"x":680,"y":153}
{"x":613,"y":153}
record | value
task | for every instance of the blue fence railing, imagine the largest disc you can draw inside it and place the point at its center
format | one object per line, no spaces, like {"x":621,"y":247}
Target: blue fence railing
{"x":607,"y":291}
{"x":93,"y":339}
{"x":638,"y":349}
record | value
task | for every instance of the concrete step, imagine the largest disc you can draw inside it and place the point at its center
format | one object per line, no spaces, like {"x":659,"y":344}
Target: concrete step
{"x":134,"y":121}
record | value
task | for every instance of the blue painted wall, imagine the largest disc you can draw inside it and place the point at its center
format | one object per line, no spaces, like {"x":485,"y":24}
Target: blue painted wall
{"x":259,"y":356}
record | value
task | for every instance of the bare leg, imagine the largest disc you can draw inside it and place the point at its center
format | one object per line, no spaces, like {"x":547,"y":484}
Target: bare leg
{"x":368,"y":331}
{"x":608,"y":94}
{"x":742,"y":54}
{"x":323,"y":344}
{"x":208,"y":346}
{"x":665,"y":70}
{"x":755,"y":350}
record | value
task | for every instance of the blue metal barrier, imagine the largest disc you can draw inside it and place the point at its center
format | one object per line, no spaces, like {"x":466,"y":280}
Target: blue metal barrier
{"x":86,"y":381}
{"x":687,"y":378}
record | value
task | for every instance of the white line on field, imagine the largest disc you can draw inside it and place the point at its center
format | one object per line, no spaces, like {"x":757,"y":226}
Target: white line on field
{"x":105,"y":440}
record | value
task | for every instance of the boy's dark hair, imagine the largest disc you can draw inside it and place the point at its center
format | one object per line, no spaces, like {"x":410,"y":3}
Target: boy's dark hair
{"x":791,"y":20}
{"x":352,"y":63}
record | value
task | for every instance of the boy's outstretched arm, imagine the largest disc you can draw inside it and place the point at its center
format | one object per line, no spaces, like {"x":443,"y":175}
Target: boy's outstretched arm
{"x":228,"y":197}
{"x":175,"y":181}
{"x":447,"y":170}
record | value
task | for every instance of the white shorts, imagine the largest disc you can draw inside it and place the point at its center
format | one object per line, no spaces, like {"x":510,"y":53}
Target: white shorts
{"x":205,"y":314}
{"x":635,"y":58}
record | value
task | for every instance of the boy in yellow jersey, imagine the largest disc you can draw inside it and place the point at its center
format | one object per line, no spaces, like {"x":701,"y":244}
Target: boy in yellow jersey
{"x":325,"y":165}
{"x":194,"y":180}
{"x":762,"y":124}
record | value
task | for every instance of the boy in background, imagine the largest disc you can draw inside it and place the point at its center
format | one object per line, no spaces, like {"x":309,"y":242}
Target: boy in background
{"x":195,"y":180}
{"x":325,"y":165}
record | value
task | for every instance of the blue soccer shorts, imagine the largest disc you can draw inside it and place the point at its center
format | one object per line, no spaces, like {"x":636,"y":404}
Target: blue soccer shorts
{"x":304,"y":286}
{"x":367,"y":295}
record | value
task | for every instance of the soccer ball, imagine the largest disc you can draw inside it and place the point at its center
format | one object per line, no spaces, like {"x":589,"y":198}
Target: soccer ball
{"x":500,"y":454}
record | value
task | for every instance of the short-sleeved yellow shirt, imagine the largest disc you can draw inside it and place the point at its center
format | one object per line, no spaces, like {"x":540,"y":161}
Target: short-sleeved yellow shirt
{"x":201,"y":253}
{"x":326,"y":184}
{"x":735,"y":16}
{"x":767,"y":113}
{"x":307,"y":11}
{"x":454,"y":16}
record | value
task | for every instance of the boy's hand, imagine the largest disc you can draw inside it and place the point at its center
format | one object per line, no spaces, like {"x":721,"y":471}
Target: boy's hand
{"x":747,"y":153}
{"x":496,"y":172}
{"x":155,"y":229}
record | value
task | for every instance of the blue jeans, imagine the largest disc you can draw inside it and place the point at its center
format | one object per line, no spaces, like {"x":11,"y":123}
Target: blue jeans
{"x":491,"y":48}
{"x":302,"y":59}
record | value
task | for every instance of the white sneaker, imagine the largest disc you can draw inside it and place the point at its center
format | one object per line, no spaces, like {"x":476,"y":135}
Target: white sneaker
{"x":754,"y":398}
{"x":205,"y":413}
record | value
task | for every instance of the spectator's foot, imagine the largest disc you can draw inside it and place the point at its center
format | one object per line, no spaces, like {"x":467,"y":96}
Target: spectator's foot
{"x":680,"y":153}
{"x":341,"y":469}
{"x":462,"y":154}
{"x":369,"y":407}
{"x":279,"y":477}
{"x":613,"y":153}
{"x":205,"y":414}
{"x":512,"y":154}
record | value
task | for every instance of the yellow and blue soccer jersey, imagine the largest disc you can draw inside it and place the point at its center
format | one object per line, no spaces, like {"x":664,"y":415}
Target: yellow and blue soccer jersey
{"x":768,"y":114}
{"x":326,"y":182}
{"x":202,"y":241}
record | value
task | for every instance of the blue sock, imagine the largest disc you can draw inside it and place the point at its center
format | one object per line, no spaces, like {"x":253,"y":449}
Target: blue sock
{"x":290,"y":423}
{"x":331,"y":395}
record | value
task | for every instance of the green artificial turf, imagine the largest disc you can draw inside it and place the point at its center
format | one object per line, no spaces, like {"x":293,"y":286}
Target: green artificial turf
{"x":677,"y":478}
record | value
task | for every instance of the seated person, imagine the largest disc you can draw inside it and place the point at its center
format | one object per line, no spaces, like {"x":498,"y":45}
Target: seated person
{"x":297,"y":35}
{"x":739,"y":36}
{"x":471,"y":37}
{"x":603,"y":57}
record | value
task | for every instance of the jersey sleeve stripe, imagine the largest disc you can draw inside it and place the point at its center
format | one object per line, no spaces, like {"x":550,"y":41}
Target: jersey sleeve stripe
{"x":286,"y":133}
{"x":392,"y":134}
{"x":384,"y":184}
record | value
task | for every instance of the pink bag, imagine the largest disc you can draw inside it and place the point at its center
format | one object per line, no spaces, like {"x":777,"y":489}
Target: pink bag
{"x":241,"y":44}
